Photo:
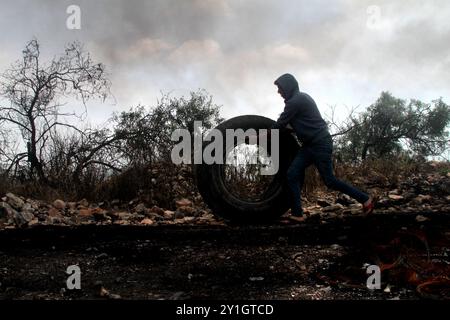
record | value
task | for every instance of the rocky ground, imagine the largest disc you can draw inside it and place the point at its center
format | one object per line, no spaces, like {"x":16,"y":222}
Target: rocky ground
{"x":135,"y":250}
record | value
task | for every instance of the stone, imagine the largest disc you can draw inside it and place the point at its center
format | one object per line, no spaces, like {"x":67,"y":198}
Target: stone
{"x":421,"y":218}
{"x":72,"y":205}
{"x":345,"y":200}
{"x":331,"y":215}
{"x":28,"y":207}
{"x":189,"y":219}
{"x":122,"y":215}
{"x":53,"y":212}
{"x":395,"y":197}
{"x":100,"y":214}
{"x":183,"y":203}
{"x":179,"y":214}
{"x":409,"y":195}
{"x":59,"y":204}
{"x":187,"y":210}
{"x":53,"y":220}
{"x":147,"y":222}
{"x":394,"y":192}
{"x":157,"y":210}
{"x":33,"y":222}
{"x":83,"y":203}
{"x":14,"y":201}
{"x":420,"y":199}
{"x":323,"y":203}
{"x":332,"y":208}
{"x":6,"y":211}
{"x":256,"y":278}
{"x":140,"y":208}
{"x":169,"y":214}
{"x":22,"y":219}
{"x":85,"y":212}
{"x":103,"y":292}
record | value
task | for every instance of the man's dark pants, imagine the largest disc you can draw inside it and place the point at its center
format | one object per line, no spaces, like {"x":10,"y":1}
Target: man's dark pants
{"x":318,"y":154}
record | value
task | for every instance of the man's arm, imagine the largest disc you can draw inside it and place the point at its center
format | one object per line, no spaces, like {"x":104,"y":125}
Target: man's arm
{"x":290,"y":110}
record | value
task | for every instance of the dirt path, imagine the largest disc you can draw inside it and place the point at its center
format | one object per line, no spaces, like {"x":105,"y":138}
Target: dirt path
{"x":315,"y":260}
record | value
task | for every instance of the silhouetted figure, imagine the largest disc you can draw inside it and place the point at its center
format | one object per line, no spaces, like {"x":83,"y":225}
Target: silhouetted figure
{"x":303,"y":116}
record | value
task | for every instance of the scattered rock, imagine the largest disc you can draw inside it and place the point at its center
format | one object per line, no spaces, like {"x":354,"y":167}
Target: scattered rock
{"x":53,"y":220}
{"x":421,"y":218}
{"x":394,"y":192}
{"x":332,"y":208}
{"x":85,"y":212}
{"x":53,"y":212}
{"x":14,"y":201}
{"x":421,"y":199}
{"x":187,"y":210}
{"x":123,"y":215}
{"x":59,"y":204}
{"x":103,"y":292}
{"x":183,"y":203}
{"x":147,"y":222}
{"x":179,"y":214}
{"x":72,"y":205}
{"x":169,"y":214}
{"x":140,"y":208}
{"x":353,"y":211}
{"x":323,"y":203}
{"x":102,"y":256}
{"x":256,"y":278}
{"x":395,"y":197}
{"x":157,"y":210}
{"x":189,"y":219}
{"x":330,"y":215}
{"x":100,"y":214}
{"x":33,"y":222}
{"x":83,"y":203}
{"x":336,"y":247}
{"x":6,"y":211}
{"x":22,"y":219}
{"x":345,"y":200}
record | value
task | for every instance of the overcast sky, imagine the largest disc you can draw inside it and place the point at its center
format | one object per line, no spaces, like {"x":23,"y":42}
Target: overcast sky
{"x":343,"y":52}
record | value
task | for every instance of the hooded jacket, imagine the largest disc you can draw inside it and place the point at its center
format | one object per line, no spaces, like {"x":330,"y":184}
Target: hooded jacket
{"x":300,"y":112}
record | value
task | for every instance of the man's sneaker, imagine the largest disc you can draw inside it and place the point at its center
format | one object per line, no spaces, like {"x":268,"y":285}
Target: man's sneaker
{"x":368,"y":209}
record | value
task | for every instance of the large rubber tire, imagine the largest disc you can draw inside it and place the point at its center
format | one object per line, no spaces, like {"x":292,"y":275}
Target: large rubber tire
{"x":223,"y":203}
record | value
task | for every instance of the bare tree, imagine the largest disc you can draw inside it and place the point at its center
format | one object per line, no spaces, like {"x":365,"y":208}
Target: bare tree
{"x":34,"y":89}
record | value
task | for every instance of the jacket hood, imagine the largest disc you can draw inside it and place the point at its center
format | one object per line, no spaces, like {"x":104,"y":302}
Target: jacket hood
{"x":288,"y":84}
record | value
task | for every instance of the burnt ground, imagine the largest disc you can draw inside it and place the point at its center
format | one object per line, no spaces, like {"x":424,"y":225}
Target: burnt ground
{"x":319,"y":259}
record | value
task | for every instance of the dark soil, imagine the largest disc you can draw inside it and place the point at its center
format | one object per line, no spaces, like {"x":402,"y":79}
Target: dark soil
{"x":320,"y":259}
